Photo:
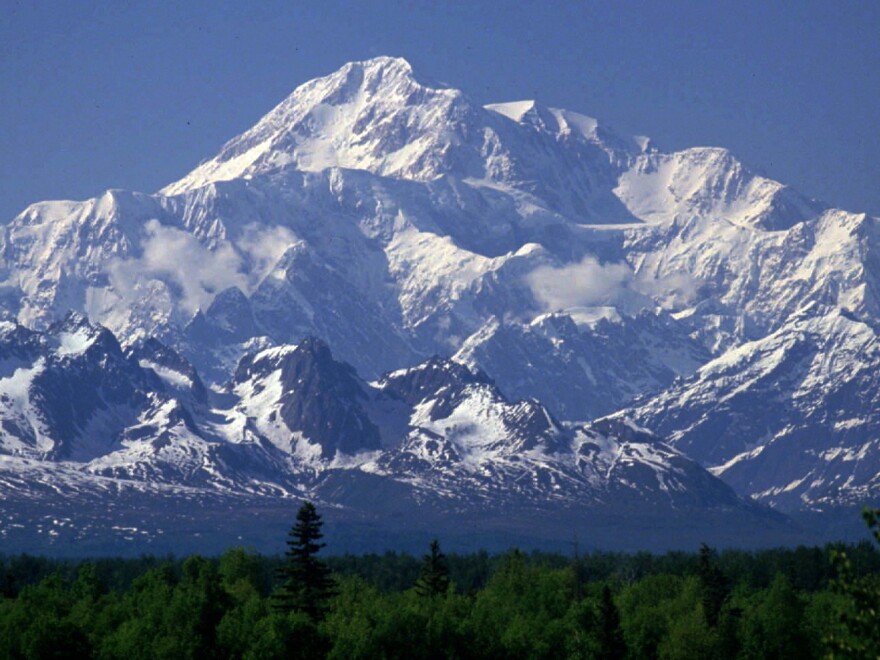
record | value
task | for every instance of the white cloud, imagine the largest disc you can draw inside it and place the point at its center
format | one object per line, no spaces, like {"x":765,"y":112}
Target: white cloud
{"x":264,"y":246}
{"x":589,"y":283}
{"x":583,"y":284}
{"x":190,"y":271}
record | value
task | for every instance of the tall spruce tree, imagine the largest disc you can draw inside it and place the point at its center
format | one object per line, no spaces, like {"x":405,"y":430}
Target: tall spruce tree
{"x":307,"y":584}
{"x":434,"y":575}
{"x":611,"y":643}
{"x":714,"y":586}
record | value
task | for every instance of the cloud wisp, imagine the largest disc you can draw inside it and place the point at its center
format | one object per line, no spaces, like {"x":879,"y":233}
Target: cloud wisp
{"x":193,"y":272}
{"x":589,"y":283}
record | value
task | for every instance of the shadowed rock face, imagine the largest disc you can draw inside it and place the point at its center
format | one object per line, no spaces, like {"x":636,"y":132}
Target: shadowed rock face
{"x":322,"y":399}
{"x":438,"y":378}
{"x":76,"y":393}
{"x":294,"y":421}
{"x":153,"y":352}
{"x":394,"y":220}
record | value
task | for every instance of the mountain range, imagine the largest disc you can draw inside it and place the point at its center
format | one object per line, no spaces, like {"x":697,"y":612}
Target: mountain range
{"x":412,"y":309}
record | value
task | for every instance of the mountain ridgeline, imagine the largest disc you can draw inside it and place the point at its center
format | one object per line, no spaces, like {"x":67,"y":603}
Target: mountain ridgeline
{"x":411,"y":307}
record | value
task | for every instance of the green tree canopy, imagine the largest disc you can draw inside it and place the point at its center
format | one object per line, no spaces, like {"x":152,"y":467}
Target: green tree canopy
{"x":859,"y":634}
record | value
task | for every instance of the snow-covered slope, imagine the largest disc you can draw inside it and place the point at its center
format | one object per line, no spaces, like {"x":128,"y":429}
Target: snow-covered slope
{"x":792,"y":419}
{"x":448,"y":432}
{"x":293,"y":419}
{"x":376,"y":116}
{"x":396,"y":220}
{"x":69,"y":393}
{"x":586,"y":370}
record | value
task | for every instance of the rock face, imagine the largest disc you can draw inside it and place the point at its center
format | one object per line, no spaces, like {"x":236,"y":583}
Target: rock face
{"x":791,"y":419}
{"x":319,"y":398}
{"x":393,"y":221}
{"x":436,"y":438}
{"x":70,"y":392}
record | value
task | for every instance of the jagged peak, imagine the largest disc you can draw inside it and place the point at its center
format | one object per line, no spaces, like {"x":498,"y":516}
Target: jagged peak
{"x":325,"y":123}
{"x":315,"y":346}
{"x":72,"y":320}
{"x":428,"y":379}
{"x":545,"y":118}
{"x":377,"y":76}
{"x":438,"y":364}
{"x":75,"y":334}
{"x":375,"y":115}
{"x":390,"y":63}
{"x":310,"y":357}
{"x":515,"y":110}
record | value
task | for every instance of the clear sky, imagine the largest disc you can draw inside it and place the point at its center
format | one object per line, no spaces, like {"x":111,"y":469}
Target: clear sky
{"x":126,"y":94}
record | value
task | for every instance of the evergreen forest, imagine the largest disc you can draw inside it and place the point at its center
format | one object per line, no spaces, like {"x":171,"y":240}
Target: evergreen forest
{"x":780,"y":603}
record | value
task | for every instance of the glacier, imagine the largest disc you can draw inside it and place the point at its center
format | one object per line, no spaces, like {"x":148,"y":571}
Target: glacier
{"x":594,"y":279}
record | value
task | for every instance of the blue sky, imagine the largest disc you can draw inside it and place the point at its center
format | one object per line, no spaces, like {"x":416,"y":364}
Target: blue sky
{"x":99,"y":95}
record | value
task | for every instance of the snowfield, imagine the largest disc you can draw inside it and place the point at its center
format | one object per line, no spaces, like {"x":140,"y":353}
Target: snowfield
{"x":615,"y":324}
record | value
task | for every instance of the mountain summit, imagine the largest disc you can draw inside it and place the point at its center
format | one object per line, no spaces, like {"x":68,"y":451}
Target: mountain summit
{"x":341,"y":301}
{"x":375,"y":116}
{"x":363,"y":116}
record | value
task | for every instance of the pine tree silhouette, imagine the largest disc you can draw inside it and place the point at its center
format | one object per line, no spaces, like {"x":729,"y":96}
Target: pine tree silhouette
{"x":307,"y":584}
{"x":714,"y":587}
{"x":611,"y":643}
{"x":434,"y":576}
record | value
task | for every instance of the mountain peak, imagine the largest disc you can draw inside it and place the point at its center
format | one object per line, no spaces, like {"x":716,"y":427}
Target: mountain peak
{"x":375,"y":115}
{"x":385,"y":63}
{"x":358,"y":117}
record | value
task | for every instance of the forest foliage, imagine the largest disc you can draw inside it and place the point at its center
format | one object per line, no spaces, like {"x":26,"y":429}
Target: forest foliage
{"x":780,"y":603}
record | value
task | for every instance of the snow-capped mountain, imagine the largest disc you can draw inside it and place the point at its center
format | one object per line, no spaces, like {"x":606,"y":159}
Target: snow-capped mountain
{"x":47,"y":410}
{"x":792,"y":419}
{"x":397,"y":220}
{"x":294,"y":422}
{"x":447,"y":431}
{"x":587,"y":370}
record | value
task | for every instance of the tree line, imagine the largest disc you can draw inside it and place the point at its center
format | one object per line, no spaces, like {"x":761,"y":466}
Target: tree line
{"x":781,"y":603}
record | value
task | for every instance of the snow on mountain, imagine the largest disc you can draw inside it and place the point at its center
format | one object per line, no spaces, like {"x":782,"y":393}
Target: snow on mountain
{"x":426,"y":251}
{"x":449,"y":433}
{"x":293,"y":418}
{"x":790,"y":419}
{"x":749,"y":282}
{"x":583,"y":371}
{"x":709,"y":182}
{"x":376,"y":116}
{"x":67,"y":393}
{"x":396,"y":220}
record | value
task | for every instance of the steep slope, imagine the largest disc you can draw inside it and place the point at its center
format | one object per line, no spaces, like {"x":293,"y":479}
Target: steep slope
{"x":583,"y":371}
{"x":69,"y":393}
{"x":425,"y":217}
{"x":748,"y":281}
{"x":396,"y":220}
{"x":421,"y":444}
{"x":791,"y":419}
{"x":376,"y":116}
{"x":446,"y":431}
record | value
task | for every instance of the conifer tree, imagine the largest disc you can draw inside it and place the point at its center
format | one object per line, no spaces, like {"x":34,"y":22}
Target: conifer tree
{"x":434,"y":575}
{"x":714,"y":587}
{"x":307,"y":584}
{"x":611,"y":643}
